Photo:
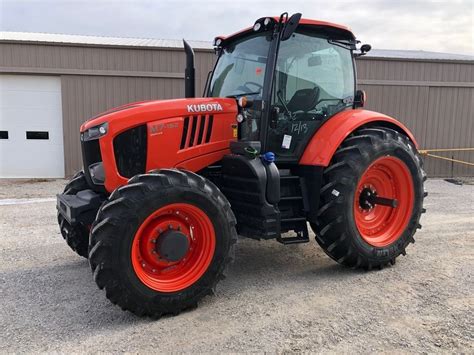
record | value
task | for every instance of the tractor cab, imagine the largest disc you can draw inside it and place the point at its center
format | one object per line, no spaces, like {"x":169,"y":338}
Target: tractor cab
{"x":290,"y":75}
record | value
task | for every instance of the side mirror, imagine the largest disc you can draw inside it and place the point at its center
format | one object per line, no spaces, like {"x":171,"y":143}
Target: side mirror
{"x":360,"y":98}
{"x":290,"y":26}
{"x":365,"y":48}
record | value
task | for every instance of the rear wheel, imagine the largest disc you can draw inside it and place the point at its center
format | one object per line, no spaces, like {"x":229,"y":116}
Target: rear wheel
{"x":162,"y":242}
{"x":371,"y":199}
{"x":77,"y":237}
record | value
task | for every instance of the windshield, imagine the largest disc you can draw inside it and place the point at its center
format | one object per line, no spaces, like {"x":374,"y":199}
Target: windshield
{"x":240,"y":69}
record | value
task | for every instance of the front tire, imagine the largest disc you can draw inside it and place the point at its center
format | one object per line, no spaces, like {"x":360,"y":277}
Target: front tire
{"x":77,"y":237}
{"x":172,"y":204}
{"x":354,"y":232}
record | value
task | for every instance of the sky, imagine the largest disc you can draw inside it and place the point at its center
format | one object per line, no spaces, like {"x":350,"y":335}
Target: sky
{"x":440,"y":26}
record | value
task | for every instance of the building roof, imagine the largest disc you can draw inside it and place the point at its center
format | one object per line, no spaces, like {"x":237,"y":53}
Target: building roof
{"x":33,"y":37}
{"x":420,"y":55}
{"x":99,"y":40}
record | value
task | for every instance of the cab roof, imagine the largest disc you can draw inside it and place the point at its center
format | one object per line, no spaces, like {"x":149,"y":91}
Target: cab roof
{"x":342,"y":30}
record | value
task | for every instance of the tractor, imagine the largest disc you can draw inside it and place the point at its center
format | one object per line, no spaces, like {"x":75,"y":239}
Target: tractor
{"x":279,"y":143}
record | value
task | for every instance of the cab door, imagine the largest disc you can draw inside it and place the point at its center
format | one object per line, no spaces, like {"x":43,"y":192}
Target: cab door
{"x":313,"y":80}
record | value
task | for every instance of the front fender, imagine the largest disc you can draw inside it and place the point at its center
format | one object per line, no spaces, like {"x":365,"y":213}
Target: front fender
{"x":332,"y":133}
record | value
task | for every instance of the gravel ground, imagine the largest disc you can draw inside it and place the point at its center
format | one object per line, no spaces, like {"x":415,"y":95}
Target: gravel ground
{"x":276,"y":298}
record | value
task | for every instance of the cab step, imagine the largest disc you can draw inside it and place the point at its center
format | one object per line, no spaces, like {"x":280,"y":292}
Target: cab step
{"x":301,"y":237}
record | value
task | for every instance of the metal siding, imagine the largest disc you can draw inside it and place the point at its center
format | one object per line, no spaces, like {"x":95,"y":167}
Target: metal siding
{"x":440,"y":117}
{"x":119,"y":59}
{"x":372,"y":69}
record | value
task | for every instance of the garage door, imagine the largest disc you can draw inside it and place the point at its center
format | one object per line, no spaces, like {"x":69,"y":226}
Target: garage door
{"x":31,"y":129}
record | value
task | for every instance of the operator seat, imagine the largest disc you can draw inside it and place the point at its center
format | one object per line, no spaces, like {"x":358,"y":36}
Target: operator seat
{"x":304,"y":100}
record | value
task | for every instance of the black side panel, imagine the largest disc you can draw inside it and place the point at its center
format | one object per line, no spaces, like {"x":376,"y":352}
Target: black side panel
{"x":311,"y":179}
{"x":272,"y":192}
{"x":130,"y":148}
{"x":244,"y":183}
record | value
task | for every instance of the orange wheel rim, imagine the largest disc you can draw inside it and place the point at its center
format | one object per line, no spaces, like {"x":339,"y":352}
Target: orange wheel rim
{"x":160,"y":274}
{"x":382,"y":225}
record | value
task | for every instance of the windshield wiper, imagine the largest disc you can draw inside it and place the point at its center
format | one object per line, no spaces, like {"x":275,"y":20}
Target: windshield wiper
{"x":343,"y":44}
{"x":245,"y":93}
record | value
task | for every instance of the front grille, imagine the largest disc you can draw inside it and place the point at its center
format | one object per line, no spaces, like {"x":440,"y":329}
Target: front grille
{"x":90,"y":155}
{"x":130,"y":151}
{"x":196,"y":130}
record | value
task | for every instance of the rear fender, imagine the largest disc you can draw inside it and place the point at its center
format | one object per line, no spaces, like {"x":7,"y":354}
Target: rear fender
{"x":332,"y":133}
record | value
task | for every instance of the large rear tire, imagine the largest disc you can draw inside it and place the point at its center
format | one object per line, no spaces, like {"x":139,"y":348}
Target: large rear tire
{"x":353,"y":231}
{"x":127,"y":256}
{"x":77,"y":237}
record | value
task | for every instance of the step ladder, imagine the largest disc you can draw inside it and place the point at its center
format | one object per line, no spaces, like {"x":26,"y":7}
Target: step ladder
{"x":293,"y":206}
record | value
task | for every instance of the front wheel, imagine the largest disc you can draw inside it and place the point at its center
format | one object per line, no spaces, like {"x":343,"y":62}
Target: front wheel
{"x":371,"y":199}
{"x":162,"y":242}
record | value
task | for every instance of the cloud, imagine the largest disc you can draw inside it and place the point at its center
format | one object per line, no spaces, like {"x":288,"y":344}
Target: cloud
{"x":445,"y":26}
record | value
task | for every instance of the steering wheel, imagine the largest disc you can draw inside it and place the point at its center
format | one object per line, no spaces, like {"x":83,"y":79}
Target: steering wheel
{"x":247,"y":89}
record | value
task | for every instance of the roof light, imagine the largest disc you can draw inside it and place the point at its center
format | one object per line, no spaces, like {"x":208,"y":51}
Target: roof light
{"x":267,"y":21}
{"x":217,"y":41}
{"x":257,"y":26}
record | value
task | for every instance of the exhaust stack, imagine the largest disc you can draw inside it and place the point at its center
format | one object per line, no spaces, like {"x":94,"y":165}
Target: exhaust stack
{"x":189,"y":72}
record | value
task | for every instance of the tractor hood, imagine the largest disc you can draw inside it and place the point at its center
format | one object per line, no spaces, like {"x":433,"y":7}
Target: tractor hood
{"x":137,"y":113}
{"x":183,"y":133}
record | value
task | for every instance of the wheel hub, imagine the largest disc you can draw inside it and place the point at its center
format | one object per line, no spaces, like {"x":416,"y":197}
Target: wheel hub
{"x":368,"y":199}
{"x":365,"y":198}
{"x":172,"y":245}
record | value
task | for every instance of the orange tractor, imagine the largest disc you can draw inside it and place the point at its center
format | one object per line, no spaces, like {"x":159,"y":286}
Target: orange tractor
{"x":279,"y":140}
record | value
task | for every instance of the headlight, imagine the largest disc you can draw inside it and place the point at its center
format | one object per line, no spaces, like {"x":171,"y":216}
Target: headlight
{"x":95,"y":132}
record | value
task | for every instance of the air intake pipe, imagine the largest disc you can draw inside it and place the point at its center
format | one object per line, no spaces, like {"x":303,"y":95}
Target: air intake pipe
{"x":189,"y":72}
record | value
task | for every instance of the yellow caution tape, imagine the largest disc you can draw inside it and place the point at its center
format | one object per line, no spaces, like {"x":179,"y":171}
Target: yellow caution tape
{"x":426,"y":152}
